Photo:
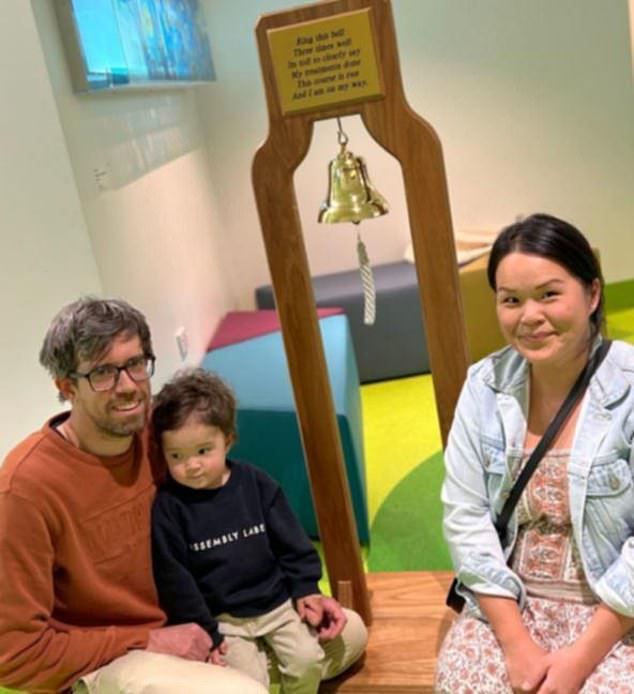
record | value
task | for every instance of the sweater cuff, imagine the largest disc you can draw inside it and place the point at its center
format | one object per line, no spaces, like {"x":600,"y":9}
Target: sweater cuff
{"x":216,"y":638}
{"x":301,"y":590}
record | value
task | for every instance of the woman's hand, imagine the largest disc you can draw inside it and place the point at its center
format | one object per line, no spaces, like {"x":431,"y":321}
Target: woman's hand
{"x":568,"y":670}
{"x":526,"y":665}
{"x":569,"y":667}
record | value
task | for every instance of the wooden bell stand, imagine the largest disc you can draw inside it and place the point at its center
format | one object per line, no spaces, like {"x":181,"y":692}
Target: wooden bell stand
{"x":409,"y":613}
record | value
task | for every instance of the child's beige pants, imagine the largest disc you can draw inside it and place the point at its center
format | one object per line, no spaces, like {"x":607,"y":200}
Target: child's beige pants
{"x":281,"y":640}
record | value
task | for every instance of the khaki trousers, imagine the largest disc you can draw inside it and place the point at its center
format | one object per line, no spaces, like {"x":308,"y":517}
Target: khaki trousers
{"x":142,"y":672}
{"x":281,"y":640}
{"x":277,"y":641}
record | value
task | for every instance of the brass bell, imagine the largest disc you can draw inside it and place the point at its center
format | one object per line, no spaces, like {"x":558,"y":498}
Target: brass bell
{"x":352,"y":198}
{"x":351,"y":195}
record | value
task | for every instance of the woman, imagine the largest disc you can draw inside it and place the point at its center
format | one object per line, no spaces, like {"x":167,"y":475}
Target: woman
{"x":551,"y":607}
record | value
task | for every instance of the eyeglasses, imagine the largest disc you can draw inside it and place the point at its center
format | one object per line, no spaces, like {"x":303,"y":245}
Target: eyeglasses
{"x":106,"y":376}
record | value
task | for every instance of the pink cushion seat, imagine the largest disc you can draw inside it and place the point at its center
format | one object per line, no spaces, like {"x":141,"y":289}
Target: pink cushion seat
{"x":238,"y":326}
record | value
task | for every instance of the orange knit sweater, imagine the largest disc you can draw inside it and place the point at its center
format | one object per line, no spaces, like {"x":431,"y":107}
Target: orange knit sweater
{"x":76,"y":587}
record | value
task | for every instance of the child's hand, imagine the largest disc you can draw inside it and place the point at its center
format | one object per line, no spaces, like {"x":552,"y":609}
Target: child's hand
{"x":333,"y":621}
{"x":324,"y":614}
{"x":215,"y":655}
{"x":310,"y":609}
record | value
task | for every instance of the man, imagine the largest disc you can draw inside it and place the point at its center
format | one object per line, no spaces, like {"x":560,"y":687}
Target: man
{"x":78,"y":607}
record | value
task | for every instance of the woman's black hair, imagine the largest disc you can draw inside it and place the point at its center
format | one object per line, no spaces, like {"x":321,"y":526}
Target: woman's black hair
{"x":553,"y":238}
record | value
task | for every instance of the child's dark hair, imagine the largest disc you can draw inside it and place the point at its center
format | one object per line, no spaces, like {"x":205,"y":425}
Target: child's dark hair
{"x":194,"y":391}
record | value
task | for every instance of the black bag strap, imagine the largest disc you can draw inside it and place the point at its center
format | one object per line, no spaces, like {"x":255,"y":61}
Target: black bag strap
{"x":555,"y":425}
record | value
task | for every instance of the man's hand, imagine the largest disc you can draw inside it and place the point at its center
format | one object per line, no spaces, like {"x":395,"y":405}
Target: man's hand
{"x":324,"y":614}
{"x":188,"y":641}
{"x":215,"y":655}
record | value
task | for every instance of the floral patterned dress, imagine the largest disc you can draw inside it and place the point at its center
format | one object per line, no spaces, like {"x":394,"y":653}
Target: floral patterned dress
{"x":559,"y":606}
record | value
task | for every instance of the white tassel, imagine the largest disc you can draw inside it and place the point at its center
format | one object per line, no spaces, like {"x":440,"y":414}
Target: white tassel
{"x":367,"y":279}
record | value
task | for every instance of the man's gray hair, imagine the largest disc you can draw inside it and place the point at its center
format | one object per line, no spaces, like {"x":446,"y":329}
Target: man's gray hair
{"x":85,"y":330}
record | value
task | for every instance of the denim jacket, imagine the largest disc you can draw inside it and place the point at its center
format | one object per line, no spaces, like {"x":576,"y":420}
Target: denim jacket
{"x":484,"y":451}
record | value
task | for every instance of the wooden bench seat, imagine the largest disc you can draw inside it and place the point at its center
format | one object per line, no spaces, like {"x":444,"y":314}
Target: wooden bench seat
{"x":410,"y":621}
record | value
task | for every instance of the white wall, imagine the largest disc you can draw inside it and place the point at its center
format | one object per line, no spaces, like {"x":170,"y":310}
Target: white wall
{"x":152,"y":215}
{"x":235,"y":117}
{"x":147,"y":230}
{"x":46,"y":260}
{"x":631,"y":7}
{"x":532,"y":101}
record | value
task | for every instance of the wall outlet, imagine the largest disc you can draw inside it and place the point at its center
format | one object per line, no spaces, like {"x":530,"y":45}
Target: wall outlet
{"x":182,"y":342}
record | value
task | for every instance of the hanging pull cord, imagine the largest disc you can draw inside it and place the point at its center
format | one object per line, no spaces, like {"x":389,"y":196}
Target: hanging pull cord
{"x":367,"y":279}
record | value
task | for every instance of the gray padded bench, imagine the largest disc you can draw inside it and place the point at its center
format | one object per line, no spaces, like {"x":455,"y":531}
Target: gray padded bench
{"x":396,"y":344}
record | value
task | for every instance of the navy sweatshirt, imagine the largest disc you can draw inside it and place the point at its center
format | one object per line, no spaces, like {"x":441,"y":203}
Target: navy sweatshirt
{"x":236,"y":549}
